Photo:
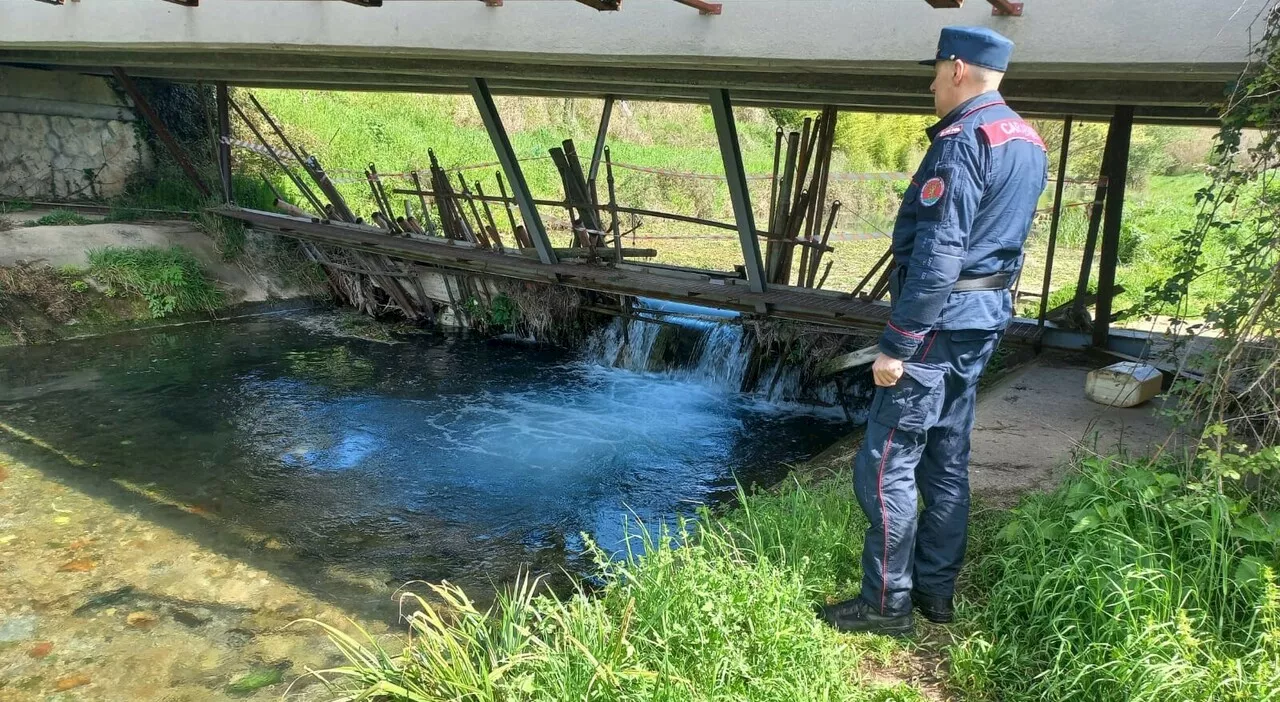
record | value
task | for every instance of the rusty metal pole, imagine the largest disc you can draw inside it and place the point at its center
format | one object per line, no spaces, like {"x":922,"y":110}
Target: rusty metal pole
{"x":1053,"y":220}
{"x":224,"y":141}
{"x":162,"y":132}
{"x":594,"y":169}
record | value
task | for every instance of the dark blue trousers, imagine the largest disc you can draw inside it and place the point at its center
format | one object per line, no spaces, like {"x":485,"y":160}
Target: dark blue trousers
{"x":918,"y":440}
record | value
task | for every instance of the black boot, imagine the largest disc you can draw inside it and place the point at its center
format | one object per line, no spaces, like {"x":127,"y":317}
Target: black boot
{"x":857,"y":616}
{"x":938,"y":610}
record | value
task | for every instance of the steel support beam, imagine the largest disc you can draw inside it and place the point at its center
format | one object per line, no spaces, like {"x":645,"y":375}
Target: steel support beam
{"x":162,"y":132}
{"x":730,"y":153}
{"x":223,"y":137}
{"x":511,"y":168}
{"x":1110,"y":250}
{"x":1095,"y":222}
{"x":598,"y":152}
{"x":1054,"y":219}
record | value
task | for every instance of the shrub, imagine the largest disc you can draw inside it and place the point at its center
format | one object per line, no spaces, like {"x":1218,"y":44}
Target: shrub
{"x":1132,"y":583}
{"x":60,"y":218}
{"x":170,"y":280}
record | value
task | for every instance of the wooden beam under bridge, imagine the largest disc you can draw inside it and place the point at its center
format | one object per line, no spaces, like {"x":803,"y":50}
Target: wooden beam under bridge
{"x":779,"y":301}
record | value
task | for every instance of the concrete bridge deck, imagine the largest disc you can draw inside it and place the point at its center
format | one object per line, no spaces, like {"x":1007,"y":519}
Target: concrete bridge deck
{"x":1168,"y":58}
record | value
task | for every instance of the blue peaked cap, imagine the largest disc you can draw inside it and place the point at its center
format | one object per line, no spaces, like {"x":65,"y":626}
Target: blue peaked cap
{"x":978,"y":46}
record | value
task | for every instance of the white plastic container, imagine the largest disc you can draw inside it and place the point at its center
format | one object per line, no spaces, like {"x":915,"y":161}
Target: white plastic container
{"x":1124,"y":384}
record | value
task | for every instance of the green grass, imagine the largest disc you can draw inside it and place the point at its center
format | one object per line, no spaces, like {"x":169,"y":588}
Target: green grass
{"x":171,"y":280}
{"x":1130,"y":583}
{"x":718,"y":609}
{"x":11,"y":206}
{"x":60,"y":218}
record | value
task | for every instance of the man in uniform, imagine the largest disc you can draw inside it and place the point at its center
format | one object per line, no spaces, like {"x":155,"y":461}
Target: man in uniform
{"x":957,"y":246}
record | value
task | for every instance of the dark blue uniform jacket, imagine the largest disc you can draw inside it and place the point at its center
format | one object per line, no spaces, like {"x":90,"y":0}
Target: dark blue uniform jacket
{"x":966,"y":214}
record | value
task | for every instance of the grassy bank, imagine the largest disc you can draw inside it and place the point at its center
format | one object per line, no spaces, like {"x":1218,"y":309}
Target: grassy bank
{"x":121,"y":285}
{"x":1129,"y":582}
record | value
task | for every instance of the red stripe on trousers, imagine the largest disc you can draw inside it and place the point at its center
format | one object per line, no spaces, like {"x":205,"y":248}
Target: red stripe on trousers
{"x":884,"y":513}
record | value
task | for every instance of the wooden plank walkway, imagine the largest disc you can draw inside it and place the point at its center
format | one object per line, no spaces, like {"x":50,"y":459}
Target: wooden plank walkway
{"x":779,"y":302}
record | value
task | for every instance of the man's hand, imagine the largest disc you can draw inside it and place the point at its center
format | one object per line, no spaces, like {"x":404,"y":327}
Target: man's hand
{"x":886,"y":370}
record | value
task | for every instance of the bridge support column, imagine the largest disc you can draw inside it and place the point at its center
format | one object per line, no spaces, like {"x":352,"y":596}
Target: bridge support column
{"x":1109,"y":255}
{"x":1054,"y":218}
{"x":1095,"y":223}
{"x":727,"y":131}
{"x":224,"y":146}
{"x":511,"y":168}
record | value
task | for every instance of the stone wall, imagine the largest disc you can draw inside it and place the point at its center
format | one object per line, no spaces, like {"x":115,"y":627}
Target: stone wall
{"x":65,"y":136}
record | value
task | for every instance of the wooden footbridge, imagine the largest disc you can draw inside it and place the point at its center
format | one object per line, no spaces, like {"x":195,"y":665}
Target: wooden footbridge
{"x":1160,"y":61}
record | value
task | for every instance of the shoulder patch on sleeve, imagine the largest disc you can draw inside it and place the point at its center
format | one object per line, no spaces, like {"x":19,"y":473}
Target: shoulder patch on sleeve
{"x":932,"y":191}
{"x":952,"y":130}
{"x":1003,"y":131}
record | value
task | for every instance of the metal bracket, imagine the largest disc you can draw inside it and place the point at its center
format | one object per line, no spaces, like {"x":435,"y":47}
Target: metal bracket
{"x":603,"y":5}
{"x":365,"y":3}
{"x":1005,"y":8}
{"x":53,"y":2}
{"x":945,"y":4}
{"x":185,"y":3}
{"x":492,"y":3}
{"x":703,"y":8}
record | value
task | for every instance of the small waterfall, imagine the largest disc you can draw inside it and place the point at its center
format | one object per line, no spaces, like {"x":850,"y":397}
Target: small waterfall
{"x":697,"y":344}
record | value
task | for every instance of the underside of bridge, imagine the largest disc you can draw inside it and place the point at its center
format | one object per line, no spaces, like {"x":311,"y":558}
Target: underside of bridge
{"x":1157,"y":61}
{"x":1168,"y":58}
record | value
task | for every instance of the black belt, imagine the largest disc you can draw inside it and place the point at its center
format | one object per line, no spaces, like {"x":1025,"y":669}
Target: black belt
{"x":995,"y":281}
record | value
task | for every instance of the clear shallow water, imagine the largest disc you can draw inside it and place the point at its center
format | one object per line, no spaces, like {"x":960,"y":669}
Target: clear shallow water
{"x":440,"y":457}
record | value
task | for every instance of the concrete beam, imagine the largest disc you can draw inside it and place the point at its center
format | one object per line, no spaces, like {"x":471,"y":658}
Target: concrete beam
{"x":921,"y":103}
{"x":805,"y":32}
{"x":1194,"y":90}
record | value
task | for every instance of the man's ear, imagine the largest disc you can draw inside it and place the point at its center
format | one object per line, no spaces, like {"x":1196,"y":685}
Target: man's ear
{"x":960,"y":70}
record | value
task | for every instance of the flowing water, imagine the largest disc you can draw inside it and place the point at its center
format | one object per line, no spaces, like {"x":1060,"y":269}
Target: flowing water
{"x":173,"y":502}
{"x":438,"y":457}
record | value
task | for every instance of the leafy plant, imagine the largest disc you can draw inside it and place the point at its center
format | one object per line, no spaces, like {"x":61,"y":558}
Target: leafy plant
{"x":170,"y":280}
{"x":1132,"y":582}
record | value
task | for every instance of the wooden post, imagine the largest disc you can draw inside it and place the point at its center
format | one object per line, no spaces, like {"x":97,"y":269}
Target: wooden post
{"x":1053,"y":219}
{"x":511,"y":167}
{"x":730,"y":153}
{"x":1122,"y":124}
{"x":162,"y":132}
{"x":224,"y":145}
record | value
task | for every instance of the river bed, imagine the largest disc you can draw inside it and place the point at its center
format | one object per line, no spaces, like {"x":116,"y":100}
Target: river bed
{"x":171,"y":500}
